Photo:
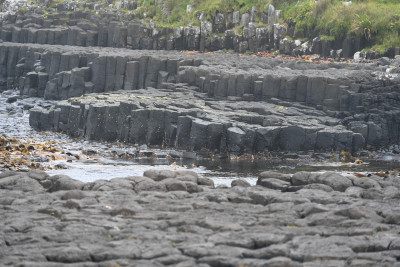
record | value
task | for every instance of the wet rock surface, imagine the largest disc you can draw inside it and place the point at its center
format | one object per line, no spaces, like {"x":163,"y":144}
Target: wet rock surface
{"x":174,"y":218}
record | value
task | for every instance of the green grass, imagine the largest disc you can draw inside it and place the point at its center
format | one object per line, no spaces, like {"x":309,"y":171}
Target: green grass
{"x":177,"y":9}
{"x":377,"y":21}
{"x":327,"y":37}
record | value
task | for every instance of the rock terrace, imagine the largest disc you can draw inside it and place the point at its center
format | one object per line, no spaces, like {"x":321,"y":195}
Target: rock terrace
{"x":359,"y":99}
{"x":178,"y":218}
{"x":182,"y":118}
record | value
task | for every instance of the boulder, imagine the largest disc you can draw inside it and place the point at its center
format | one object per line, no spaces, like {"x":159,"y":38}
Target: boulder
{"x":334,"y":180}
{"x":21,"y":182}
{"x":273,"y":183}
{"x":175,"y":185}
{"x":205,"y":181}
{"x":240,"y":183}
{"x":63,"y":182}
{"x":159,"y":175}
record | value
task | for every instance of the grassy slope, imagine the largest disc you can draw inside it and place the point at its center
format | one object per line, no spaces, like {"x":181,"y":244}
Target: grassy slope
{"x":177,"y":9}
{"x":377,"y":20}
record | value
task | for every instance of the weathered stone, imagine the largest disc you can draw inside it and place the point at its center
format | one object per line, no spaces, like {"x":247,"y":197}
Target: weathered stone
{"x":240,"y":183}
{"x":205,"y":181}
{"x":63,"y":182}
{"x":67,"y":255}
{"x":174,"y":184}
{"x":334,"y":180}
{"x":273,"y":183}
{"x":22,"y":183}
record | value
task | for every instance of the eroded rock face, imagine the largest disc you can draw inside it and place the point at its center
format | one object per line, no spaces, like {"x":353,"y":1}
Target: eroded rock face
{"x":181,"y":118}
{"x":279,"y":105}
{"x":229,"y":104}
{"x":185,"y":117}
{"x":91,"y":23}
{"x":116,"y":222}
{"x":284,"y":105}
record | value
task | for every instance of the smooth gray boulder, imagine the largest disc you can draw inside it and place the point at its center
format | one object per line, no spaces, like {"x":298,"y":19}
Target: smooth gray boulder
{"x":63,"y":182}
{"x":240,"y":183}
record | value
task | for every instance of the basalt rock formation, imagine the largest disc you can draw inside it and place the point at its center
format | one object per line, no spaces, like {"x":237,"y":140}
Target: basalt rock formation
{"x":91,"y":23}
{"x":212,"y":102}
{"x":248,"y":104}
{"x":169,"y":218}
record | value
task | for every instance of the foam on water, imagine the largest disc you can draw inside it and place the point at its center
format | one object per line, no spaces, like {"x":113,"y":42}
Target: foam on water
{"x":103,"y":171}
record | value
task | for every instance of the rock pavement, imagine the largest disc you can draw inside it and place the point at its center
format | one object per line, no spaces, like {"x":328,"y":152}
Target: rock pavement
{"x":168,"y":218}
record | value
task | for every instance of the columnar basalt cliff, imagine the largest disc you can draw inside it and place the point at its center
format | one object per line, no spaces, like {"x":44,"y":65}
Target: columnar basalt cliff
{"x":93,"y":24}
{"x":222,"y":102}
{"x":256,"y":104}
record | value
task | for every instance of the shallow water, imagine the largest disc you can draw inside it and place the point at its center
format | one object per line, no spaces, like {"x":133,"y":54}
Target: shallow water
{"x":14,"y":122}
{"x":94,"y":171}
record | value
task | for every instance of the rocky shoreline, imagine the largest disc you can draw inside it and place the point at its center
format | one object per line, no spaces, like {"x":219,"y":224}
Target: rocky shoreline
{"x":168,"y":218}
{"x":191,"y":104}
{"x":247,"y":105}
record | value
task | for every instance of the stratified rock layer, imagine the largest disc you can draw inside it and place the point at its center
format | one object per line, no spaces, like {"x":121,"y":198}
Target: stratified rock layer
{"x":173,"y":218}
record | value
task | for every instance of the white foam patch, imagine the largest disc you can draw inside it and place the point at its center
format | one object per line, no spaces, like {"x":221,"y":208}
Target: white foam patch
{"x":90,"y":172}
{"x":228,"y":180}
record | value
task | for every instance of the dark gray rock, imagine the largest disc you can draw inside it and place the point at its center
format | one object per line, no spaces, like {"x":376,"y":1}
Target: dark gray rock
{"x":158,"y":175}
{"x":306,"y":249}
{"x":174,"y":184}
{"x":273,"y":183}
{"x":240,"y":183}
{"x":21,"y":182}
{"x":73,"y":194}
{"x":385,"y":61}
{"x":67,"y":255}
{"x":205,"y":181}
{"x":150,"y":186}
{"x":365,"y":183}
{"x":153,"y":225}
{"x":63,"y":182}
{"x":322,"y":187}
{"x":12,"y":99}
{"x":334,"y":180}
{"x":304,"y":178}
